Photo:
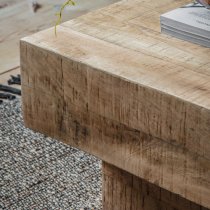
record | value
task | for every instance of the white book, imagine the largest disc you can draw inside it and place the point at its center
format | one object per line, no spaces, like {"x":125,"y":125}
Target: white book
{"x":186,"y":36}
{"x":188,"y":23}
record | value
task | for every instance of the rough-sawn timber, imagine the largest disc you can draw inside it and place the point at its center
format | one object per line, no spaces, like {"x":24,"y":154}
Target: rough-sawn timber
{"x":112,"y":85}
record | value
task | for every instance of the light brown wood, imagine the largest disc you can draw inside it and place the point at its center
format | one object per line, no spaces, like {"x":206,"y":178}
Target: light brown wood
{"x":124,"y":191}
{"x":18,"y":20}
{"x":112,"y":85}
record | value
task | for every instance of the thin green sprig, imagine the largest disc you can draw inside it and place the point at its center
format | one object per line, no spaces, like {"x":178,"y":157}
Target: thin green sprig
{"x":59,"y":14}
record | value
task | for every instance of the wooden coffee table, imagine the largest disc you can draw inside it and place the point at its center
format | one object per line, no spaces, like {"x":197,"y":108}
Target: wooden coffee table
{"x":112,"y":85}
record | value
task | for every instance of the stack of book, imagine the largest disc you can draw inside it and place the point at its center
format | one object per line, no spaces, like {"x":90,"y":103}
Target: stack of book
{"x":190,"y":22}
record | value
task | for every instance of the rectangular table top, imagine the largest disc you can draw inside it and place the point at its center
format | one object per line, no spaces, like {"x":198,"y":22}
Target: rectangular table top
{"x":124,"y":80}
{"x":137,"y":51}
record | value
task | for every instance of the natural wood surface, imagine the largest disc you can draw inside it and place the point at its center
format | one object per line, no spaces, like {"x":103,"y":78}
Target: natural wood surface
{"x":124,"y":191}
{"x":18,"y":20}
{"x":113,"y":85}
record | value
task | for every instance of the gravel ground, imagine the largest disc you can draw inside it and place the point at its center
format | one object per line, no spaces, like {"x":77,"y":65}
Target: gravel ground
{"x":38,"y":172}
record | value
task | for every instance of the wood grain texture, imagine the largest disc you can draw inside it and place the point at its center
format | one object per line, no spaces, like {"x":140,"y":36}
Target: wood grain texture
{"x":124,"y":191}
{"x":17,"y":20}
{"x":112,"y":85}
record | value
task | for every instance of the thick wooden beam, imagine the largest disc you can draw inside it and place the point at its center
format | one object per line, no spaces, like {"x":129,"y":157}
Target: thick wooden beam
{"x":150,"y":134}
{"x":124,"y":191}
{"x":133,"y":97}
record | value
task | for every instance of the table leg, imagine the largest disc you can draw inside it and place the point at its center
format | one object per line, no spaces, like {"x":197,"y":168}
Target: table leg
{"x":124,"y":191}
